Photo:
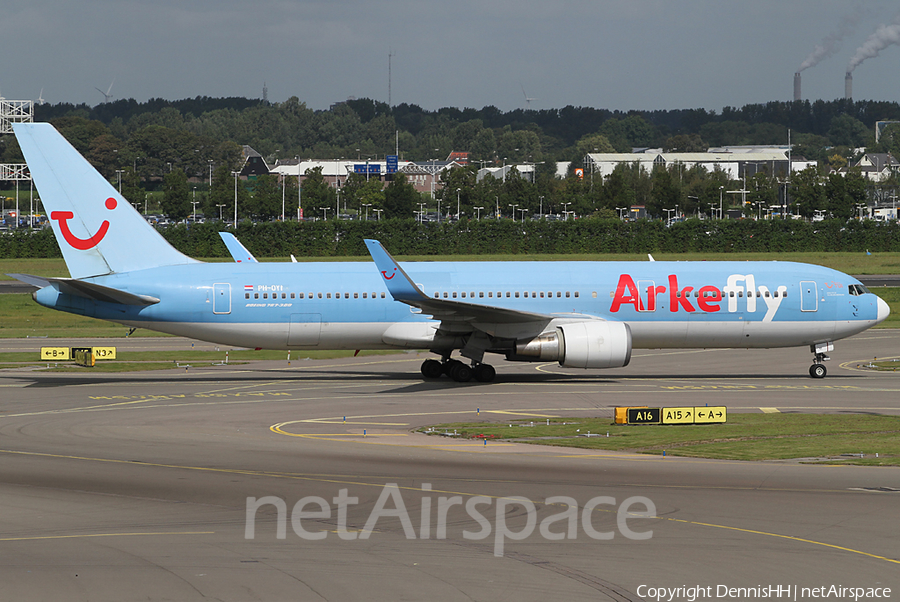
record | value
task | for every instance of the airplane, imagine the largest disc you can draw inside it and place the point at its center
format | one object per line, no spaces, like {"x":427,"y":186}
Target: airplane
{"x":579,"y":314}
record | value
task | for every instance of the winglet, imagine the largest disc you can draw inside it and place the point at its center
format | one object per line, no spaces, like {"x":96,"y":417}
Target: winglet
{"x":398,"y":282}
{"x":238,"y":251}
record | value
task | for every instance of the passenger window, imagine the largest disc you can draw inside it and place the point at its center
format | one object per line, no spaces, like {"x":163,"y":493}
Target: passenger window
{"x":256,"y":295}
{"x":436,"y":294}
{"x":594,"y":294}
{"x":507,"y":294}
{"x":346,"y":295}
{"x":356,"y":295}
{"x":567,"y":294}
{"x":490,"y":294}
{"x":784,"y":294}
{"x":576,"y":294}
{"x":445,"y":294}
{"x":382,"y":295}
{"x":480,"y":295}
{"x":517,"y":294}
{"x":454,"y":294}
{"x":246,"y":295}
{"x":464,"y":294}
{"x":328,"y":296}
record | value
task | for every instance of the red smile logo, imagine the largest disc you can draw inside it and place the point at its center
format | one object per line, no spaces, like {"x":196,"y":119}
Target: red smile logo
{"x":386,"y":277}
{"x":82,"y":244}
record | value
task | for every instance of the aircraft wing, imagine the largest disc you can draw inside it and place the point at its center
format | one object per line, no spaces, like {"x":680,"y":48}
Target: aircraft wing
{"x":88,"y":290}
{"x":455,"y":316}
{"x":238,"y":251}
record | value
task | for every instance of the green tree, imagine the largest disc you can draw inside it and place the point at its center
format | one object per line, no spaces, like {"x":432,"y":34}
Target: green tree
{"x":131,"y":188}
{"x":316,"y":192}
{"x":808,"y":191}
{"x":400,"y":198}
{"x":266,"y":201}
{"x":176,"y":201}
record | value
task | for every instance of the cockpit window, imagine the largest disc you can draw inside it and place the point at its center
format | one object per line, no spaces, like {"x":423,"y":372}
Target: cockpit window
{"x":858,"y":289}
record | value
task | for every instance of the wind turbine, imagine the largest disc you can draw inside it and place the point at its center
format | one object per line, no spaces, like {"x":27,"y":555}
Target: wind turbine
{"x":40,"y":99}
{"x":106,"y":95}
{"x":527,"y":100}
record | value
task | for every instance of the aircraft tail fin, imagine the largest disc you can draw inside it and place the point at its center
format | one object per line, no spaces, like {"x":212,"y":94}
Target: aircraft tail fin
{"x":97,"y":230}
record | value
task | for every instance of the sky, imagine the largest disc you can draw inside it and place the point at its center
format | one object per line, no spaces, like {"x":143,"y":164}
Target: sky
{"x":613,"y":54}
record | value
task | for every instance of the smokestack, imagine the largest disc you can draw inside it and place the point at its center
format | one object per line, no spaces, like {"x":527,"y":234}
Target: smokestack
{"x":848,"y":86}
{"x":797,"y":86}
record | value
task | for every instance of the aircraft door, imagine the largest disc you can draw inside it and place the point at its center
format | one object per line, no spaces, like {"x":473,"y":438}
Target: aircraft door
{"x":809,"y":296}
{"x":221,"y":298}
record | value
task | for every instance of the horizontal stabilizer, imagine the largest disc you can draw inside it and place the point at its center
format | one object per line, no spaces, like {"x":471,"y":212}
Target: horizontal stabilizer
{"x":88,"y":290}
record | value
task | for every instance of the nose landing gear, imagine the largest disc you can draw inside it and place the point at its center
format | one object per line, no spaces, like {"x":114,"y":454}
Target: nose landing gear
{"x":818,"y":370}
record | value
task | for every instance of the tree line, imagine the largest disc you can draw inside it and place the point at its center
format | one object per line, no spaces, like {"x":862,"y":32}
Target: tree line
{"x":185,"y":151}
{"x":330,"y":238}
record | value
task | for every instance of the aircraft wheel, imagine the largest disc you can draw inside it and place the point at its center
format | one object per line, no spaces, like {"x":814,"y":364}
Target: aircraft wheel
{"x":485,"y":373}
{"x":432,"y":369}
{"x":449,"y":365}
{"x":818,"y":371}
{"x":461,"y":373}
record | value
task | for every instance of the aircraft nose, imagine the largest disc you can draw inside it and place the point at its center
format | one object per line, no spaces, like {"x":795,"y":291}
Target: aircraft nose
{"x":884,"y":310}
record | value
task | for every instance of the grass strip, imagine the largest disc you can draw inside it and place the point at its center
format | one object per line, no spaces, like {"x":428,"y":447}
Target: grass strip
{"x":826,"y":438}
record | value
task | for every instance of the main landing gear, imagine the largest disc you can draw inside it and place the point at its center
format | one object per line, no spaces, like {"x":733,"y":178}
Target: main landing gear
{"x":818,"y":370}
{"x":458,"y":371}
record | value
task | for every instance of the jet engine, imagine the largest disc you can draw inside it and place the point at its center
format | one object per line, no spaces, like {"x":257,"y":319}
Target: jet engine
{"x":588,"y":344}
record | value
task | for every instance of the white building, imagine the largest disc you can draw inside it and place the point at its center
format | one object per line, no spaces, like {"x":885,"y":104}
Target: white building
{"x":736,"y":162}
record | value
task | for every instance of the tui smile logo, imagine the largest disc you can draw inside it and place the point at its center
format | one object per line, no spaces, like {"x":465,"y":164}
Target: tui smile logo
{"x":82,"y":244}
{"x":386,"y":277}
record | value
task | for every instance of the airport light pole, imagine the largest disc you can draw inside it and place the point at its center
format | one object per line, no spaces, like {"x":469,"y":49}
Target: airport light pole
{"x":324,"y":212}
{"x":378,"y":211}
{"x":513,"y":211}
{"x":566,"y":209}
{"x":367,"y":205}
{"x":219,"y":205}
{"x":119,"y":173}
{"x":668,"y":219}
{"x":479,"y":212}
{"x":721,"y":190}
{"x":235,"y":174}
{"x":457,"y":203}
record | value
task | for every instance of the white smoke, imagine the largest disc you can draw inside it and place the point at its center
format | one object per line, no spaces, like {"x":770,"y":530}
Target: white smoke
{"x":884,"y":36}
{"x":832,"y":42}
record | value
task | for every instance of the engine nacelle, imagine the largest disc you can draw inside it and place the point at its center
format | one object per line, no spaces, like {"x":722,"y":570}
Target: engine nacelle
{"x":588,"y":344}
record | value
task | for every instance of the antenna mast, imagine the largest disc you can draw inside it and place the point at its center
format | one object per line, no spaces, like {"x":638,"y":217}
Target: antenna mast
{"x":390,"y":56}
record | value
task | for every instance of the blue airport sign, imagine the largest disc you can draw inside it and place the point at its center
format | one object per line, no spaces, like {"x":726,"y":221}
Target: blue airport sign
{"x":393,"y":163}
